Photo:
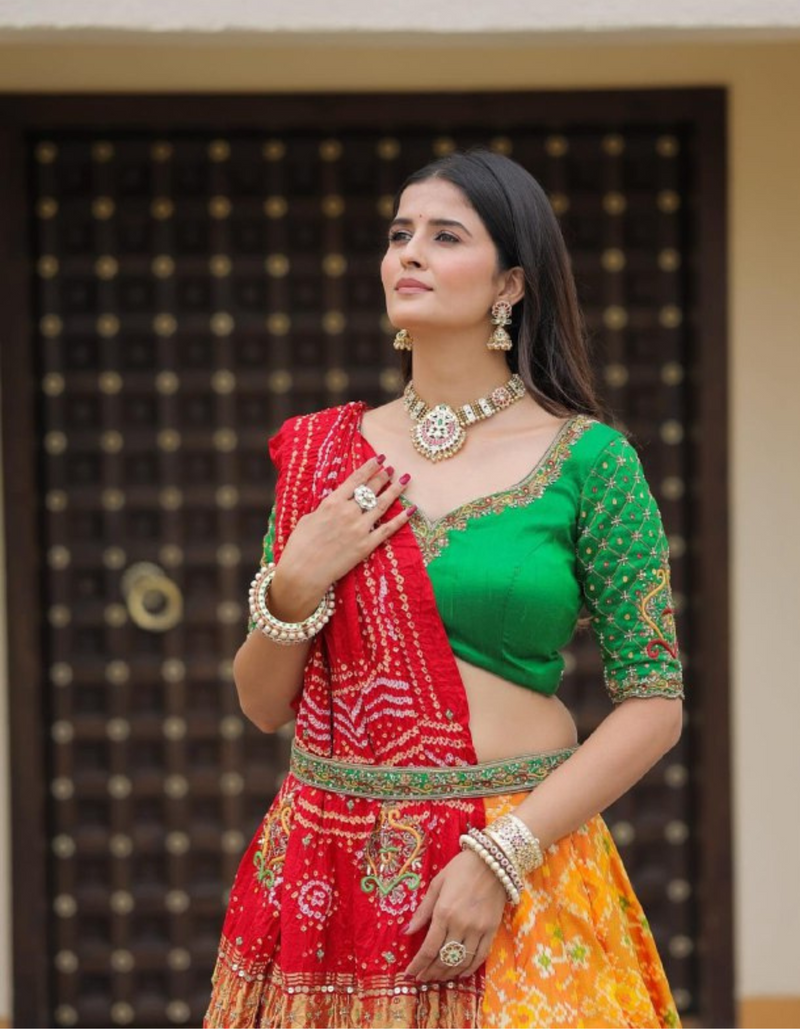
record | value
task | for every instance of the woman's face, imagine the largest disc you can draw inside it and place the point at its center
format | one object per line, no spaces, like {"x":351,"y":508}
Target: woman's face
{"x":456,"y":261}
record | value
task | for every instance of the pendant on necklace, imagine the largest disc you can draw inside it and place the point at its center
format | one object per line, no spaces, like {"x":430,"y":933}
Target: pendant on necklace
{"x":439,"y":434}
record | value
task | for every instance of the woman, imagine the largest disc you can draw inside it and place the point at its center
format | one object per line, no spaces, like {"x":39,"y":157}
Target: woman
{"x":423,"y":567}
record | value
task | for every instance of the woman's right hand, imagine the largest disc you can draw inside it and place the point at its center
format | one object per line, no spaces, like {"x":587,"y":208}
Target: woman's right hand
{"x":326,"y":543}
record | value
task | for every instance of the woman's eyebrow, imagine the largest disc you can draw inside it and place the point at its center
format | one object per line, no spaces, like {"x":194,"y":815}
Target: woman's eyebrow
{"x":433,"y":221}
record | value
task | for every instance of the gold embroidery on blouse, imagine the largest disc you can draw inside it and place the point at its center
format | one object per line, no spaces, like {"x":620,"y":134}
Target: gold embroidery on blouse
{"x":646,"y":605}
{"x":654,"y":684}
{"x":433,"y":535}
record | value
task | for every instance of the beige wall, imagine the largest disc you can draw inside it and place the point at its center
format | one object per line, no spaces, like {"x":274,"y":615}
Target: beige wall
{"x":764,"y":305}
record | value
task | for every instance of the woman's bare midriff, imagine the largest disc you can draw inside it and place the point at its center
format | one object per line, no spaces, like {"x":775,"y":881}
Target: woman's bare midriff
{"x":507,"y":720}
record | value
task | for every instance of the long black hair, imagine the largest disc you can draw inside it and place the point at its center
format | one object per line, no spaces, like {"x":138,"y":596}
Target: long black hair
{"x":550,"y":347}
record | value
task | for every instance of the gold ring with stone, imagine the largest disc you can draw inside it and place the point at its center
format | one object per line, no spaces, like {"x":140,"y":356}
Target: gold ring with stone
{"x":452,"y":953}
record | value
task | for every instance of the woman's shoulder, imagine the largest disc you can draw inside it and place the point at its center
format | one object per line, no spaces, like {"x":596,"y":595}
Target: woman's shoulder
{"x":591,"y":436}
{"x":606,"y":453}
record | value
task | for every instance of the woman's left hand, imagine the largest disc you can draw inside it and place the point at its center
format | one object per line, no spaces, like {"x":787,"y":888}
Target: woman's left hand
{"x":464,"y":902}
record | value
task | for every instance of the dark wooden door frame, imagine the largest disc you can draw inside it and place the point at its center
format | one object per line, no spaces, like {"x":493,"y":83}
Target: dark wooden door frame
{"x":705,"y":110}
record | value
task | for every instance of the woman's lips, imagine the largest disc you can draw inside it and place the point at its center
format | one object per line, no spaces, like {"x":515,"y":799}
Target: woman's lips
{"x":408,"y":284}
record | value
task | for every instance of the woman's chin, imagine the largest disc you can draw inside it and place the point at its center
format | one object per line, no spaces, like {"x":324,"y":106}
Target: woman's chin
{"x":415,"y":320}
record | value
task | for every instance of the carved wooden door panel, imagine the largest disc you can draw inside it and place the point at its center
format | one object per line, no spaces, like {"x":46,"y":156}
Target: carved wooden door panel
{"x":192,"y":289}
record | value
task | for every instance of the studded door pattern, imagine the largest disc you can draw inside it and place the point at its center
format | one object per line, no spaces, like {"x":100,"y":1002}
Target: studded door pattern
{"x":192,"y":292}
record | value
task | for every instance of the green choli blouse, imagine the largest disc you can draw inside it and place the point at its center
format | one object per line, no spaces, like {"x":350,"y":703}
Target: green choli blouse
{"x":511,"y":571}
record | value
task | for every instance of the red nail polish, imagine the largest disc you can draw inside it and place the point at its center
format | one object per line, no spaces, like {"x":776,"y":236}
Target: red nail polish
{"x":404,"y":478}
{"x":380,"y":458}
{"x":389,"y":470}
{"x":411,"y":510}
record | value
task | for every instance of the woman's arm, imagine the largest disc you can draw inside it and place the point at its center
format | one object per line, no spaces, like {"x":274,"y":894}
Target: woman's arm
{"x":626,"y":744}
{"x":269,"y":676}
{"x":466,"y":901}
{"x":623,"y":566}
{"x":324,"y":545}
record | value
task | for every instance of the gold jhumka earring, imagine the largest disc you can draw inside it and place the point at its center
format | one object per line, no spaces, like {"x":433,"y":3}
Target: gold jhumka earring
{"x":501,"y":315}
{"x":403,"y":340}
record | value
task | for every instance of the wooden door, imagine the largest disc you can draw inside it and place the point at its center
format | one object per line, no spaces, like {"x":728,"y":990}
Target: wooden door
{"x":194,"y":276}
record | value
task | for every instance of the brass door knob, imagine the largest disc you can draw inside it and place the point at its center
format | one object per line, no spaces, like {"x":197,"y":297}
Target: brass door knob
{"x":154,"y":601}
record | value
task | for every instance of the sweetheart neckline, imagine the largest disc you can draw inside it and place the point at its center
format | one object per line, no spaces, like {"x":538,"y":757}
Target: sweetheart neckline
{"x":457,"y":511}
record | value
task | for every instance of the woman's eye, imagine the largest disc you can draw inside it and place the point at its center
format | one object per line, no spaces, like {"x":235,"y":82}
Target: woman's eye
{"x":447,"y":237}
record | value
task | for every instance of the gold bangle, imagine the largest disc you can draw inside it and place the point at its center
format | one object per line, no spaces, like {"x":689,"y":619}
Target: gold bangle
{"x":517,"y":841}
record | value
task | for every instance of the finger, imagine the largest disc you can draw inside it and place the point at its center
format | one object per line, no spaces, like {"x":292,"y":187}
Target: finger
{"x":389,"y":496}
{"x":380,"y":479}
{"x":379,"y":484}
{"x":444,"y":971}
{"x":383,"y":530}
{"x":480,"y":945}
{"x":359,"y":476}
{"x":437,"y":969}
{"x":428,"y":954}
{"x":424,"y":908}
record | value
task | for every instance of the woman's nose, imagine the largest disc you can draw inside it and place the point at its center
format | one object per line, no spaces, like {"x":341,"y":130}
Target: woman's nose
{"x":411,"y":253}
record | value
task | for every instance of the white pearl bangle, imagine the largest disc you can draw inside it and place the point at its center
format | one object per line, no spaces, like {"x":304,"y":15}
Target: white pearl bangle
{"x":511,"y":891}
{"x":285,"y":632}
{"x":484,"y":840}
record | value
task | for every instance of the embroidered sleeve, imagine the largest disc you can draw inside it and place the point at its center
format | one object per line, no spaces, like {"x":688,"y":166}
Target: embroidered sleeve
{"x":623,"y":565}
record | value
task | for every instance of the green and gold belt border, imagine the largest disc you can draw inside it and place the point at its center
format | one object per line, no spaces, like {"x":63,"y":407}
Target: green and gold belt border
{"x":432,"y":782}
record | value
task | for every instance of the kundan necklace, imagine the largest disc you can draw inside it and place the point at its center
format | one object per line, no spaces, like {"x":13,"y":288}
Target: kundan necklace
{"x":439,"y":432}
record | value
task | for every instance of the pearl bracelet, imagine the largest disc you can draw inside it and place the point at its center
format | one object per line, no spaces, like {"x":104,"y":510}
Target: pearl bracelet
{"x":516,"y":840}
{"x":511,"y":890}
{"x":272,"y":627}
{"x":500,"y":856}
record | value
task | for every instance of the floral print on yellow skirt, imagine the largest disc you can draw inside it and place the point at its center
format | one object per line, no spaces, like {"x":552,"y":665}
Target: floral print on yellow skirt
{"x":577,"y":951}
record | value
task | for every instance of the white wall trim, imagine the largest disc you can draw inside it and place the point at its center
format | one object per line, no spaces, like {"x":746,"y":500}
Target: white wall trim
{"x":54,"y":20}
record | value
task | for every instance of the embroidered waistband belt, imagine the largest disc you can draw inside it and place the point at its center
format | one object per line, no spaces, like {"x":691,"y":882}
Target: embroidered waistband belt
{"x":429,"y":782}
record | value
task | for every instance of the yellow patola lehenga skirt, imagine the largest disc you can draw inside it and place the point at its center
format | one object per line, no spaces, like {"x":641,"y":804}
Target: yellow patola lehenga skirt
{"x":577,"y":950}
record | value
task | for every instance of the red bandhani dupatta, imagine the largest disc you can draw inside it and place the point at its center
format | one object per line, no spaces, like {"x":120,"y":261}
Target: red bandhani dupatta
{"x":312,"y":935}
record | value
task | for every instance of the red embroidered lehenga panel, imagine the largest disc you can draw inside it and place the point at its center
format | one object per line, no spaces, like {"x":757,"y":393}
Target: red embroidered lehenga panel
{"x":312,"y":935}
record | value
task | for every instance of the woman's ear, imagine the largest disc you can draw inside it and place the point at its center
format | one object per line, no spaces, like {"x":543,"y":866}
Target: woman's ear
{"x":514,"y":288}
